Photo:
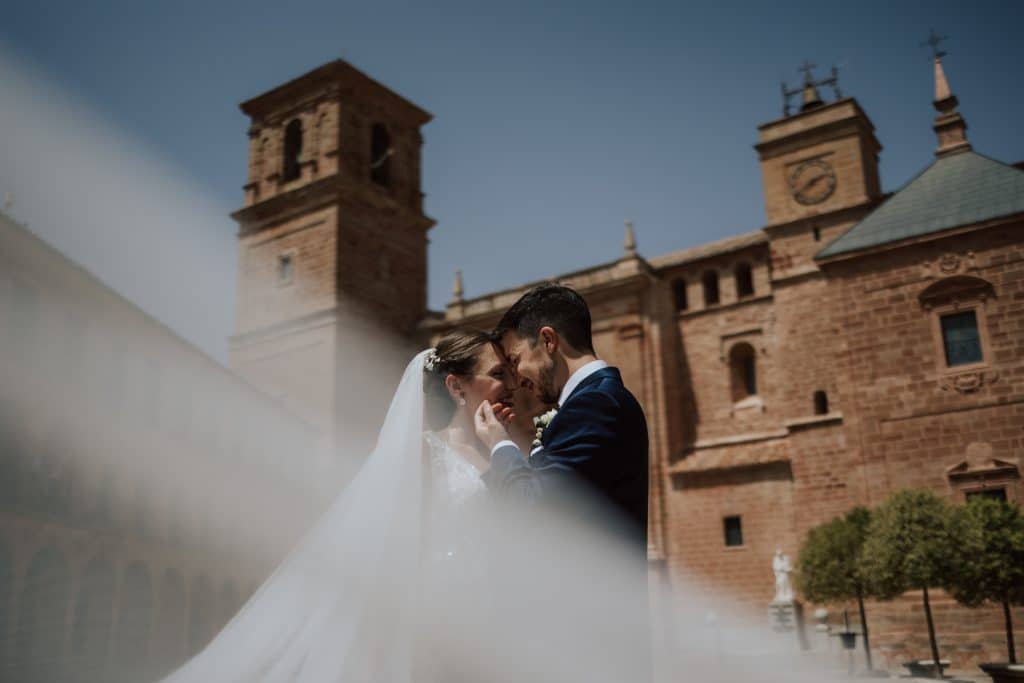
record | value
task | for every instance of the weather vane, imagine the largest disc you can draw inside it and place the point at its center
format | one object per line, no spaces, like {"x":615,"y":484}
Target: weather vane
{"x":933,"y":42}
{"x":807,"y":68}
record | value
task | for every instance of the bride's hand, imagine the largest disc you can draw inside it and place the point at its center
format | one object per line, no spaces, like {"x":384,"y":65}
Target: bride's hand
{"x":490,"y":422}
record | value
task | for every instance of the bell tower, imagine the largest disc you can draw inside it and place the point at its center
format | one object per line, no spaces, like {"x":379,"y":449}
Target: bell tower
{"x":819,"y":168}
{"x":332,"y":238}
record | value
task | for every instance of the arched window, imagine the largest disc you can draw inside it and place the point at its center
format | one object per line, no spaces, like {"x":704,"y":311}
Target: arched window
{"x":743,"y":371}
{"x":380,"y":155}
{"x":710,"y":280}
{"x":168,"y":650}
{"x":94,"y":613}
{"x":820,"y":402}
{"x":39,"y":642}
{"x":201,"y":616}
{"x":679,"y":294}
{"x":744,"y":281}
{"x":292,"y":151}
{"x":133,"y":619}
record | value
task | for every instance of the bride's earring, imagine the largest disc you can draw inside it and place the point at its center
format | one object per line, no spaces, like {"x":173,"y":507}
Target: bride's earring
{"x":462,"y":399}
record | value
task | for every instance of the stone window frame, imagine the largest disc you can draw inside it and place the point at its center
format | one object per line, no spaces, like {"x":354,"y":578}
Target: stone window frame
{"x":291,"y":254}
{"x":1004,"y":475}
{"x":293,"y":144}
{"x":754,"y":338}
{"x":958,"y":294}
{"x":738,"y":271}
{"x":725,"y":532}
{"x":680,"y":294}
{"x":711,"y":283}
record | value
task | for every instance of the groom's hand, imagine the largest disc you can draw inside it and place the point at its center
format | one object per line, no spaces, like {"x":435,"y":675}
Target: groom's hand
{"x":489,"y":425}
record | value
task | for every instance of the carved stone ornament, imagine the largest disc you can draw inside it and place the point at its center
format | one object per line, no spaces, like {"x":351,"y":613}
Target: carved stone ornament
{"x":968,"y":382}
{"x":949,"y":264}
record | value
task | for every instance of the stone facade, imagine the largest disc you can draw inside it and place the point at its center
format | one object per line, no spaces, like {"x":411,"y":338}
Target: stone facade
{"x":143,"y":495}
{"x":781,"y":388}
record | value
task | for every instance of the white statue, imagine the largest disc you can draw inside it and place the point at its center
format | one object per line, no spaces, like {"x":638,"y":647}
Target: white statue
{"x":782,"y":568}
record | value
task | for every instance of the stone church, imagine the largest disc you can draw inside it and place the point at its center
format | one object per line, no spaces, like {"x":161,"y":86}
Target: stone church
{"x":855,"y":344}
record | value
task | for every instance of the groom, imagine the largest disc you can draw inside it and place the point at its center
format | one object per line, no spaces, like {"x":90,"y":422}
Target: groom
{"x":596,"y":443}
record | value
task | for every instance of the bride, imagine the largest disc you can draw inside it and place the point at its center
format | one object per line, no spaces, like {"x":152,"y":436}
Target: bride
{"x":403,"y":543}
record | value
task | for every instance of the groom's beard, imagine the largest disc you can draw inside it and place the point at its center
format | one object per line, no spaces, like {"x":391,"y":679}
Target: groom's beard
{"x":547,"y":393}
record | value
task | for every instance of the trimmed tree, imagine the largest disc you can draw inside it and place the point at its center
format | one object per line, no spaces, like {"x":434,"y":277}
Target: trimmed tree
{"x":829,"y":568}
{"x":915,"y":542}
{"x":996,"y":573}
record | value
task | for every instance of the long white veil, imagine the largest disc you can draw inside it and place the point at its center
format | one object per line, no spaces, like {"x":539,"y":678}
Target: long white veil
{"x":346,"y":590}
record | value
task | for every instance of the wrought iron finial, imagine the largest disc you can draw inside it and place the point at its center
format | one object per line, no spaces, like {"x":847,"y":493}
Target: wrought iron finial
{"x":809,"y":89}
{"x":807,"y":68}
{"x":934,"y":40}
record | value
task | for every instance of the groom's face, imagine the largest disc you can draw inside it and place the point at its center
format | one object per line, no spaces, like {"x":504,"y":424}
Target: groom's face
{"x":533,"y":365}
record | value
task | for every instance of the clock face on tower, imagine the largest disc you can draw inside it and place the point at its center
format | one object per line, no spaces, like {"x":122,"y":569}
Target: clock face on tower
{"x":812,"y":182}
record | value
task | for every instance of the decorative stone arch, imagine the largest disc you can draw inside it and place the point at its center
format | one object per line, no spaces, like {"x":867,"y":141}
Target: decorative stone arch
{"x":169,"y":639}
{"x":93,"y":619}
{"x":981,"y":473}
{"x":134,"y":618}
{"x":229,"y":601}
{"x":202,"y":614}
{"x":43,"y":609}
{"x":958,"y":289}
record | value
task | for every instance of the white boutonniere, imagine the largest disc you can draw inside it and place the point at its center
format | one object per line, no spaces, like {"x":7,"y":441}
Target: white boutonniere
{"x":541,"y":422}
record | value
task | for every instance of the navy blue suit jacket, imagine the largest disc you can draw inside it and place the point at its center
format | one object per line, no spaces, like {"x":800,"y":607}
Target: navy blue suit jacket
{"x":598,"y":440}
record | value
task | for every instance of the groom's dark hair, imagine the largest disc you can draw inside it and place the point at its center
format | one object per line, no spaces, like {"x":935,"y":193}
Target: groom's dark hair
{"x":549,"y":305}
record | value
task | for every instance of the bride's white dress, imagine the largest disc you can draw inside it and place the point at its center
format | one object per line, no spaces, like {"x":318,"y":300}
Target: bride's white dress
{"x":407,"y":577}
{"x":351,"y":602}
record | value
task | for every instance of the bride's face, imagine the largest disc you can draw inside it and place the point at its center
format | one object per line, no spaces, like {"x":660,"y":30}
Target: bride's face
{"x":491,"y":380}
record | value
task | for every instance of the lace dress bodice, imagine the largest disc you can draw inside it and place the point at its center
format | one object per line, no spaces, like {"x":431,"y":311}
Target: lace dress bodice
{"x":457,"y":500}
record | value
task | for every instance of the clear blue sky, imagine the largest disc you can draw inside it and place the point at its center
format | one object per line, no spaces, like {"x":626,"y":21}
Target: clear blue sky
{"x":553,"y":121}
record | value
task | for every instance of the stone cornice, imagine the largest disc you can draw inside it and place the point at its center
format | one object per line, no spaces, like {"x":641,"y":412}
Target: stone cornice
{"x":315,"y":195}
{"x":615,"y":277}
{"x":326,"y":80}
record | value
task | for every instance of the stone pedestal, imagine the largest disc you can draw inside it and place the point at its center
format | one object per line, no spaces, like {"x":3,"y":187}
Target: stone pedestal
{"x":788,"y":617}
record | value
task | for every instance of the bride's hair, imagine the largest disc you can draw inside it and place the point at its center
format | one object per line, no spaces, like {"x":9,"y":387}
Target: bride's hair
{"x":457,"y":353}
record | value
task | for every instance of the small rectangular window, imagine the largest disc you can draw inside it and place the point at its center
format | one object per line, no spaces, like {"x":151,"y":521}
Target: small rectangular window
{"x":960,"y":338}
{"x":995,"y":494}
{"x":284,"y":269}
{"x":733,"y":531}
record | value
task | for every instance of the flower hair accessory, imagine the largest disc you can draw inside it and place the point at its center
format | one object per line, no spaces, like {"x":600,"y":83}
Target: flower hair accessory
{"x":431,"y":362}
